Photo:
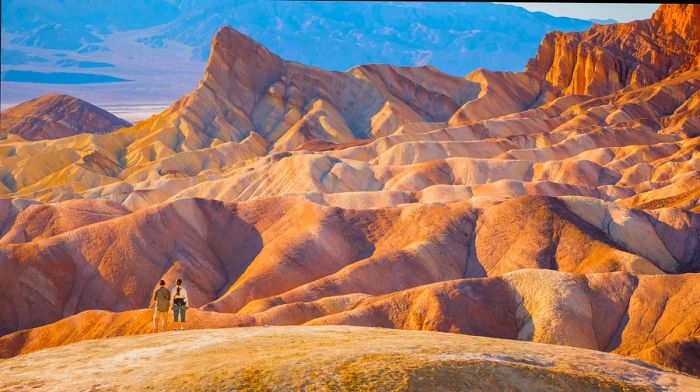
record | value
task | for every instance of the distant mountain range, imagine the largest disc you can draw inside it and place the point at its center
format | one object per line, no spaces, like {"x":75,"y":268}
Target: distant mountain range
{"x":44,"y":40}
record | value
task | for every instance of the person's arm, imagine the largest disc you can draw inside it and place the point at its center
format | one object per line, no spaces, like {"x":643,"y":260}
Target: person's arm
{"x":187,"y":301}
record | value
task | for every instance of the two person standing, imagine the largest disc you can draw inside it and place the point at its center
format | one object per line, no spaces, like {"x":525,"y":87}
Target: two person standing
{"x":164,"y":300}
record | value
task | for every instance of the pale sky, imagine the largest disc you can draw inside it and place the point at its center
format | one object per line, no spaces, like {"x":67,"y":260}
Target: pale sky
{"x":619,"y":12}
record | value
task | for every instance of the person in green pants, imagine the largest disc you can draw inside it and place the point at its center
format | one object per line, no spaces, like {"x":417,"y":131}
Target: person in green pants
{"x":161,"y":302}
{"x":180,"y":304}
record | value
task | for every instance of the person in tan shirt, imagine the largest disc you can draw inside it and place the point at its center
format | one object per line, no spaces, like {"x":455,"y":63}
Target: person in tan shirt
{"x":161,"y":302}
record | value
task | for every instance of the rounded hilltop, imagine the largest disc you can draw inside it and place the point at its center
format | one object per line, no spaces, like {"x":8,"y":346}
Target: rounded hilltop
{"x":55,"y":116}
{"x":332,"y":358}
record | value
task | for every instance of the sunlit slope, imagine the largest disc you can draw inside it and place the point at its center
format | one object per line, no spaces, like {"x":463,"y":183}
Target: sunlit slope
{"x":330,"y":358}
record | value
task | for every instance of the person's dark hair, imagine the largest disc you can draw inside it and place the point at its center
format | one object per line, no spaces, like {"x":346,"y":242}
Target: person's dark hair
{"x":178,"y":283}
{"x":162,"y":282}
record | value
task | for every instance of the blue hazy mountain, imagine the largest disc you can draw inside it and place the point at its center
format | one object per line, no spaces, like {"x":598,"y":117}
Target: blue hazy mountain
{"x":60,"y":36}
{"x":455,"y":37}
{"x":79,"y":25}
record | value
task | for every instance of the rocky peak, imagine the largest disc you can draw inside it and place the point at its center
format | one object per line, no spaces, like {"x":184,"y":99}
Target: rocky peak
{"x":238,"y":61}
{"x":606,"y":58}
{"x":681,"y":19}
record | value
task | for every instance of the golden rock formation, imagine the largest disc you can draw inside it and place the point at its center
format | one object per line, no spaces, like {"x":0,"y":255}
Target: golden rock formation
{"x":557,"y":205}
